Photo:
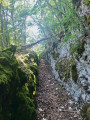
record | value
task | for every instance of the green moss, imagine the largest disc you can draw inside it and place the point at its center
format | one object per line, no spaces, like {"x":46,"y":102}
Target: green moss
{"x":17,"y":85}
{"x":74,"y":71}
{"x":81,"y":48}
{"x":26,"y":109}
{"x":3,"y":79}
{"x":88,"y":21}
{"x":64,"y":67}
{"x":77,"y":48}
{"x":55,"y":56}
{"x":33,"y":56}
{"x":34,"y":68}
{"x":88,"y":113}
{"x":87,"y":2}
{"x":85,"y":111}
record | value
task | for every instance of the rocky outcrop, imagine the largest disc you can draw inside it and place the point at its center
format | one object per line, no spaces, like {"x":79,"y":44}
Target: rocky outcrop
{"x":70,"y":63}
{"x":83,"y":9}
{"x":18,"y":84}
{"x":71,"y":72}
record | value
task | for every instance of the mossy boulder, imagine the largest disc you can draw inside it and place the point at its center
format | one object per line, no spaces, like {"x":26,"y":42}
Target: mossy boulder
{"x":17,"y":87}
{"x":85,"y":111}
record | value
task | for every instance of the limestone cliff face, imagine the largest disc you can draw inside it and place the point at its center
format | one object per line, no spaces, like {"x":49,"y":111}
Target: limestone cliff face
{"x":71,"y":63}
{"x":72,"y":73}
{"x":83,"y":9}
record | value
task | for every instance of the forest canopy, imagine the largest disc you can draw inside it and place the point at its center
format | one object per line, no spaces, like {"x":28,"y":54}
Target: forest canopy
{"x":24,"y":22}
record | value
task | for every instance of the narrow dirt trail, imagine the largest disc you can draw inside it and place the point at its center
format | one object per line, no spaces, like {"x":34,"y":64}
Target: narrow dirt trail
{"x":53,"y":102}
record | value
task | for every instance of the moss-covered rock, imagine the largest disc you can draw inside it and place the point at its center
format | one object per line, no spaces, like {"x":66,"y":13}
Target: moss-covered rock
{"x":74,"y":74}
{"x":88,"y":113}
{"x":77,"y":48}
{"x":33,"y":56}
{"x":17,"y":87}
{"x":85,"y":111}
{"x":88,"y":21}
{"x":65,"y":68}
{"x":87,"y":2}
{"x":55,"y":56}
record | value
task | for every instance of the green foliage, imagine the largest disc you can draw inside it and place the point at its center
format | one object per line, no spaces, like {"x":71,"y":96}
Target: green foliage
{"x":24,"y":12}
{"x":76,"y":2}
{"x":4,"y":3}
{"x":87,"y":2}
{"x":61,"y":15}
{"x":85,"y":111}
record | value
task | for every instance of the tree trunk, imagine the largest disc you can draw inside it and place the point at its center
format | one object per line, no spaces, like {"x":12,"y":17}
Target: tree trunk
{"x":6,"y":34}
{"x":12,"y":18}
{"x":1,"y":28}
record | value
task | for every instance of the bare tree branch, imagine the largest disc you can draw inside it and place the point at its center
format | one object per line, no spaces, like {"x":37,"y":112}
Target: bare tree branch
{"x":60,"y":35}
{"x":32,"y":44}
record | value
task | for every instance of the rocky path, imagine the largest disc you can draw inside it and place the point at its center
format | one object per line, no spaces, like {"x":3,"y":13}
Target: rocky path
{"x":53,"y":102}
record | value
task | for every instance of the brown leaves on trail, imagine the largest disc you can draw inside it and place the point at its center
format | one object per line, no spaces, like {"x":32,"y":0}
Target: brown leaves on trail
{"x":53,"y":102}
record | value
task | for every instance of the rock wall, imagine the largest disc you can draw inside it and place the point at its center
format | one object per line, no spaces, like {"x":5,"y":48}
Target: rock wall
{"x":70,"y":63}
{"x":72,"y":73}
{"x":83,"y":9}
